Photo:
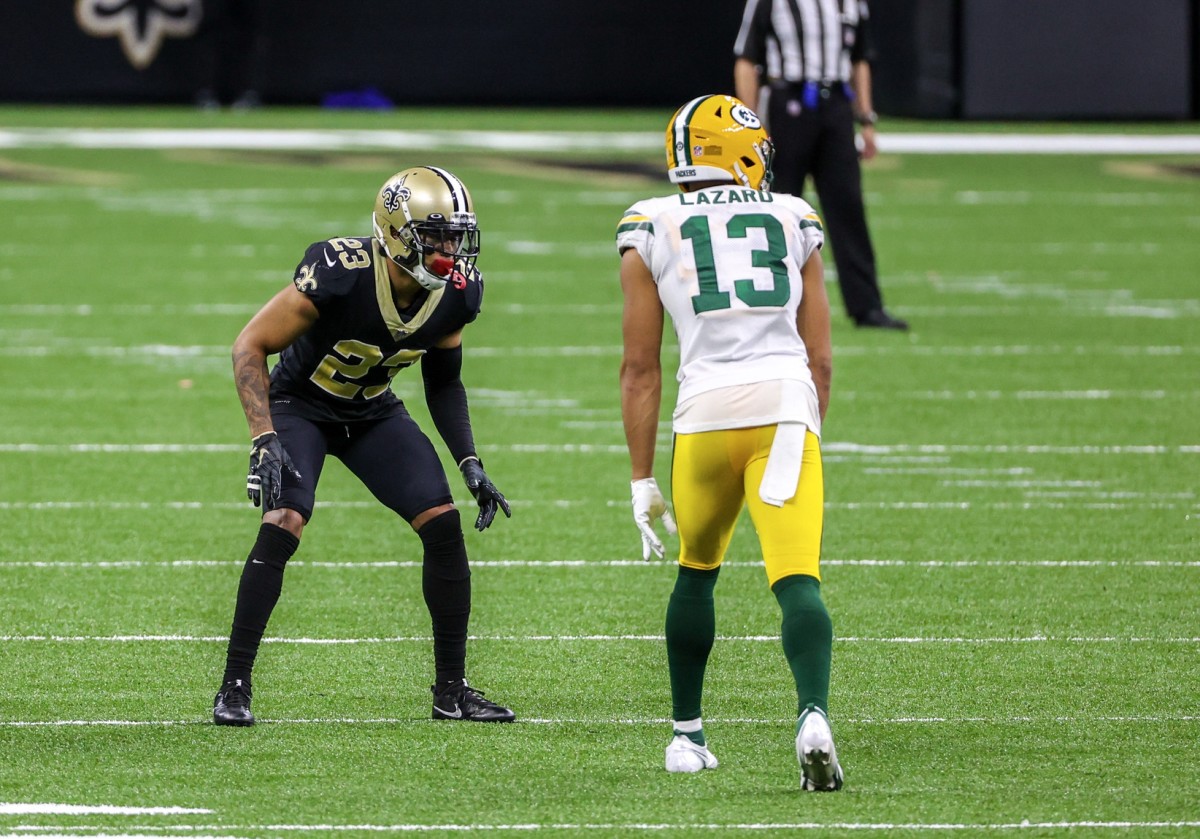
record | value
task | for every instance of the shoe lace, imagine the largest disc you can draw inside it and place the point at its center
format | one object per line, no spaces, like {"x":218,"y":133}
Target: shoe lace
{"x":235,"y":695}
{"x":475,"y":696}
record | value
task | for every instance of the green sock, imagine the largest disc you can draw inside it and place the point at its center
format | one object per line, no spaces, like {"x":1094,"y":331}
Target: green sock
{"x":691,"y":630}
{"x":807,"y":638}
{"x":695,"y":731}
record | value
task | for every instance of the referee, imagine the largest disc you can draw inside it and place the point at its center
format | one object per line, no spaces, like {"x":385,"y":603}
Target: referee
{"x":818,"y":85}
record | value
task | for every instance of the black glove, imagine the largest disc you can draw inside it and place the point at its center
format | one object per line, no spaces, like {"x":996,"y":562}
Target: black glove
{"x":268,"y":459}
{"x":484,"y":492}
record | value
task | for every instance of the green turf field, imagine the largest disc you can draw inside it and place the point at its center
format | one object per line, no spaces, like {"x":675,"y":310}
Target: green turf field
{"x":1010,"y":557}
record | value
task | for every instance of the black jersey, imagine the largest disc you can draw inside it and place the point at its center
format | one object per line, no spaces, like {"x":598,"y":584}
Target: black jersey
{"x":342,"y":368}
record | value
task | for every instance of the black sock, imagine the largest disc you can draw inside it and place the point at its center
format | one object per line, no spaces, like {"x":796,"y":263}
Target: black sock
{"x":446,"y":584}
{"x":258,"y":592}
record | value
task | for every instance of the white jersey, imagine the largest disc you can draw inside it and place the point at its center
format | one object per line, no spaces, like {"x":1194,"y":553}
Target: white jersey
{"x":726,"y":260}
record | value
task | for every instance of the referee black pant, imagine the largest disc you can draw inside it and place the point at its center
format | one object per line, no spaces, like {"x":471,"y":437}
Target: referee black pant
{"x":818,"y":140}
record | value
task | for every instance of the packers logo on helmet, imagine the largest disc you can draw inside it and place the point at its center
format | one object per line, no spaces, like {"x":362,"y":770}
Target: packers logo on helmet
{"x":718,"y":138}
{"x":426,"y":212}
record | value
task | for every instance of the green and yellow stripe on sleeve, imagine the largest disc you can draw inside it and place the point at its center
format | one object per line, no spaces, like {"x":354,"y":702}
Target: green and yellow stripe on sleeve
{"x":633,"y":222}
{"x":812,"y":220}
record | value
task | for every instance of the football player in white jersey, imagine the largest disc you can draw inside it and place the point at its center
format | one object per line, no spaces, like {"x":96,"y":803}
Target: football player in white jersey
{"x":738,"y":268}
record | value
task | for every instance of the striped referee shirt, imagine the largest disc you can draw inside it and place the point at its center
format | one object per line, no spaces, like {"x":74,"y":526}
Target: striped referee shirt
{"x":803,"y":40}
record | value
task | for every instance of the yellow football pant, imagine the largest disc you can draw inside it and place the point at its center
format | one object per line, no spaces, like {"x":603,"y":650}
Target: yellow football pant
{"x":715,"y":473}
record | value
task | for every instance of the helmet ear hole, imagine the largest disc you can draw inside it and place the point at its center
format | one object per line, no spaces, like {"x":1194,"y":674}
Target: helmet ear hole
{"x":407,"y":254}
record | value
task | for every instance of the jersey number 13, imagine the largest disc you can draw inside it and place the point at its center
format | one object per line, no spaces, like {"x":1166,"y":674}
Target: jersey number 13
{"x":711,"y":297}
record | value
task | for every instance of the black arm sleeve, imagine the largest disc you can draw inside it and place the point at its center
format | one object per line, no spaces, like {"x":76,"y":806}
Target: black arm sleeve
{"x":447,"y":400}
{"x":864,"y":43}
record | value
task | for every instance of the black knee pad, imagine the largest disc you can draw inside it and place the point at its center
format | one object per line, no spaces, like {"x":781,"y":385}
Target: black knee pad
{"x":445,"y":549}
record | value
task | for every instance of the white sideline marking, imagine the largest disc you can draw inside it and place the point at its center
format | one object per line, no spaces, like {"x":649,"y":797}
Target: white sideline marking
{"x":548,"y":141}
{"x":95,"y":809}
{"x":617,"y":563}
{"x":618,"y":828}
{"x":401,"y":639}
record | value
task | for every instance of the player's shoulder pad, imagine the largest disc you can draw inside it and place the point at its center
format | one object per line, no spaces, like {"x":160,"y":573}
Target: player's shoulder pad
{"x":330,"y":269}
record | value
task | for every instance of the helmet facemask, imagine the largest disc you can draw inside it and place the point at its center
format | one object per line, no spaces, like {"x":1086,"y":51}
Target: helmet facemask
{"x":447,"y":242}
{"x":764,"y":150}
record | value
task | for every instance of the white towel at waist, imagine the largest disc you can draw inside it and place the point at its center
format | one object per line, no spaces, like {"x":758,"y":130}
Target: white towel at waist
{"x":782,"y":476}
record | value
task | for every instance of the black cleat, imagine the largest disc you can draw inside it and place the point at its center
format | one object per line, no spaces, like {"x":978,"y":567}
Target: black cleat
{"x":232,"y":704}
{"x":880,"y":319}
{"x":460,"y":701}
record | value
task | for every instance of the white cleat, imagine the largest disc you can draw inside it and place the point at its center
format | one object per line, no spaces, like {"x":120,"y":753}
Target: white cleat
{"x":819,"y":767}
{"x":685,"y":756}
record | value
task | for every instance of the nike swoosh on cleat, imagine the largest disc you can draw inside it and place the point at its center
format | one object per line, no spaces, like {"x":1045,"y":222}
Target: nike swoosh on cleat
{"x":456,"y":715}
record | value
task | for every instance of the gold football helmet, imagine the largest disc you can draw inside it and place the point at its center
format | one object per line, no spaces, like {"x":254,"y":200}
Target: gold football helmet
{"x":718,"y":138}
{"x":426,"y":211}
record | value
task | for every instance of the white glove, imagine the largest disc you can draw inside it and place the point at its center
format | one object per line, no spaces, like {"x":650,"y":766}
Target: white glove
{"x":649,"y":505}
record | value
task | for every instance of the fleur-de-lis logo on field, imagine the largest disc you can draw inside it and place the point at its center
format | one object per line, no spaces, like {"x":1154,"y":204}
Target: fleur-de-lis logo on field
{"x":140,"y":25}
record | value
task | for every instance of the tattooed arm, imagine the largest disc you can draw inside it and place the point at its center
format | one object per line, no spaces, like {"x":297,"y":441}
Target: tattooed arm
{"x":285,"y":317}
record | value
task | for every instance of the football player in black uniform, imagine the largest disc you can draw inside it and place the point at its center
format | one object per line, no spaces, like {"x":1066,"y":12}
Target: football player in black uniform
{"x":359,"y":311}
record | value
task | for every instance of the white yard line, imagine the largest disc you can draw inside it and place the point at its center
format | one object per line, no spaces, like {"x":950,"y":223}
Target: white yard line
{"x":9,"y":809}
{"x":174,"y":351}
{"x":605,"y":563}
{"x":73,"y":832}
{"x":628,"y":722}
{"x":616,"y":828}
{"x":424,"y":639}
